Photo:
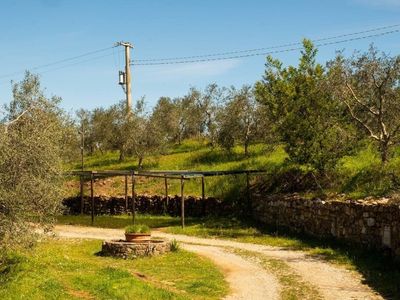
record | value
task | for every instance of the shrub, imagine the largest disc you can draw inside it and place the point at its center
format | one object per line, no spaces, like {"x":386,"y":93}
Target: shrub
{"x":174,"y":246}
{"x":137,"y":229}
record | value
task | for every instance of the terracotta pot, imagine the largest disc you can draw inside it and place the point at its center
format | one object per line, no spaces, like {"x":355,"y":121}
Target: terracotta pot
{"x":137,"y":237}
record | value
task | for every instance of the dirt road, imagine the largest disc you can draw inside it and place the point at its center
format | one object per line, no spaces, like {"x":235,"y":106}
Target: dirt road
{"x":247,"y":279}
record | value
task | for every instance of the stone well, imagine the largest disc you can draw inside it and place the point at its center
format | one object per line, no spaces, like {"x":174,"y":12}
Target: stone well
{"x":124,"y":249}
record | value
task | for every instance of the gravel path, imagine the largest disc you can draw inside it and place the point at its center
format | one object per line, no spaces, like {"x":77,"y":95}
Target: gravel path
{"x":246,"y":278}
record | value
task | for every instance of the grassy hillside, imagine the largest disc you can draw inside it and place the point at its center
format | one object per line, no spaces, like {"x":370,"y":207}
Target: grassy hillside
{"x":358,"y":175}
{"x":190,"y":155}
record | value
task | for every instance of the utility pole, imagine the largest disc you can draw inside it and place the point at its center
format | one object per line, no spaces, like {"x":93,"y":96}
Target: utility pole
{"x":125,"y":77}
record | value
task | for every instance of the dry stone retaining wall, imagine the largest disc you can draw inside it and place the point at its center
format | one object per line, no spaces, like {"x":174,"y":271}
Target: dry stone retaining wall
{"x":372,"y":223}
{"x":154,"y":204}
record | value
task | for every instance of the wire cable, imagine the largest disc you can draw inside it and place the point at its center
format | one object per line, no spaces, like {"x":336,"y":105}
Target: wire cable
{"x":185,"y":61}
{"x":58,"y":62}
{"x":78,"y":62}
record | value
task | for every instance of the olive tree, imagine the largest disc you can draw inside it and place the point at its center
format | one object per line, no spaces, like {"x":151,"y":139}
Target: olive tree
{"x":237,"y":119}
{"x":31,"y":136}
{"x":368,"y":85}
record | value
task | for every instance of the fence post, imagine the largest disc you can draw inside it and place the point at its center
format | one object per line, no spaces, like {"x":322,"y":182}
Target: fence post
{"x":133,"y":197}
{"x":82,"y":203}
{"x":182,"y":202}
{"x":126,"y":193}
{"x":92,"y":195}
{"x":166,"y":195}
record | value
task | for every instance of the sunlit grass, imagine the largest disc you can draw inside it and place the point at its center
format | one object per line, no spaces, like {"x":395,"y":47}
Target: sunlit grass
{"x":71,"y":269}
{"x":120,"y":221}
{"x":190,"y":155}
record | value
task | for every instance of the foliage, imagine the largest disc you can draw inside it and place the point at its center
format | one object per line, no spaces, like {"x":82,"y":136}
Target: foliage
{"x":368,"y":85}
{"x":237,"y":119}
{"x":302,"y":112}
{"x":31,"y":140}
{"x":174,"y":245}
{"x":137,"y":229}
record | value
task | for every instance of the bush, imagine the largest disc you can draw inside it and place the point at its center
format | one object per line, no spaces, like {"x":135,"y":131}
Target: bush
{"x":174,"y":246}
{"x":137,"y":229}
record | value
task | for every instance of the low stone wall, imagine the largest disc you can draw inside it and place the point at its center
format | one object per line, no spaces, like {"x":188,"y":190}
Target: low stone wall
{"x":374,"y":223}
{"x":155,"y":204}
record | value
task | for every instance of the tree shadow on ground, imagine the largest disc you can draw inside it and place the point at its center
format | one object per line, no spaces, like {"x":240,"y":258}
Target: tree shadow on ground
{"x":380,"y":270}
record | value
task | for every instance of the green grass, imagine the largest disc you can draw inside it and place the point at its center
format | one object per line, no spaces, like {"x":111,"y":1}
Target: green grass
{"x":359,"y":174}
{"x":121,"y":221}
{"x":190,"y":155}
{"x":71,"y":269}
{"x":234,"y":229}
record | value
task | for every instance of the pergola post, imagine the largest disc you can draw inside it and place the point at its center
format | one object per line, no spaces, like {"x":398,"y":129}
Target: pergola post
{"x":126,"y":193}
{"x":92,"y":195}
{"x":133,"y":197}
{"x":203,"y":197}
{"x":166,"y":195}
{"x":81,"y":190}
{"x":182,"y":202}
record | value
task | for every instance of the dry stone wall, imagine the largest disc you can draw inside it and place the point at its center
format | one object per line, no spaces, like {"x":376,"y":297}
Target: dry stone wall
{"x":150,"y":204}
{"x":374,"y":223}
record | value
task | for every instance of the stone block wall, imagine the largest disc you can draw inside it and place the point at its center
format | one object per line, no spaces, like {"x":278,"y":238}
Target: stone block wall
{"x":374,"y":223}
{"x":150,"y":204}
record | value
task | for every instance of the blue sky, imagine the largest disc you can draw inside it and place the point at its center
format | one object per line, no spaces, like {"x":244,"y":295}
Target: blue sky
{"x":37,"y":32}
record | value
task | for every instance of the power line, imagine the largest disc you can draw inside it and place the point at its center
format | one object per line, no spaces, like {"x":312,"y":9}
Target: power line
{"x":183,"y":60}
{"x":58,"y":61}
{"x":78,"y":62}
{"x":3,"y":81}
